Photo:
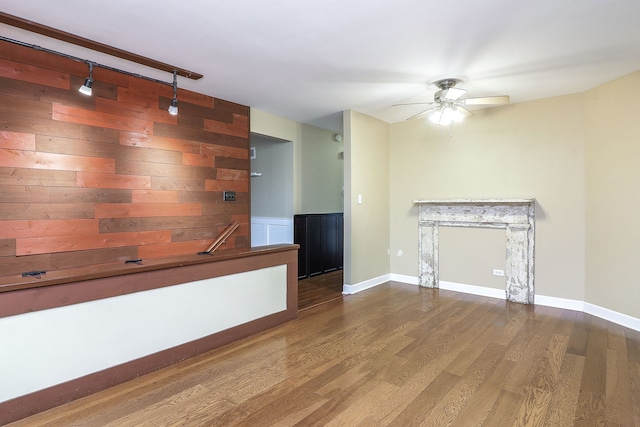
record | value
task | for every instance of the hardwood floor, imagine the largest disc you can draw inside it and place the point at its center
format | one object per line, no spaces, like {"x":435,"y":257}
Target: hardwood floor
{"x":395,"y":355}
{"x":318,"y":289}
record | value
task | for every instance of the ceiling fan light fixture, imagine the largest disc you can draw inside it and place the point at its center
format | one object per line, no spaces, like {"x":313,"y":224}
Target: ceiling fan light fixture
{"x":446,"y":115}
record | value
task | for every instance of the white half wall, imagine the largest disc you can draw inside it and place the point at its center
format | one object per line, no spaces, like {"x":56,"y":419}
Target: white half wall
{"x":44,"y":348}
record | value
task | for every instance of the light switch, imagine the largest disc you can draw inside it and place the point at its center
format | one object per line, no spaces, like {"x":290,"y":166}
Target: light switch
{"x":359,"y":199}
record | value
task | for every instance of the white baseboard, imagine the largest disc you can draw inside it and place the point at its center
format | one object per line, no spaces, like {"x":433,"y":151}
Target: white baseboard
{"x":564,"y":303}
{"x":352,"y":289}
{"x":612,"y":316}
{"x":569,"y":304}
{"x":473,"y":289}
{"x":411,"y":280}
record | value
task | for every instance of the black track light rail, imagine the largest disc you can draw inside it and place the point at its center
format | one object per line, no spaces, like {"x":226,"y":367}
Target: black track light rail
{"x":54,"y":33}
{"x":86,"y":61}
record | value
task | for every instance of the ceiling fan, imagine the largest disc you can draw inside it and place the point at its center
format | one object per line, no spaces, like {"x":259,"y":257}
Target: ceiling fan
{"x":448,"y":104}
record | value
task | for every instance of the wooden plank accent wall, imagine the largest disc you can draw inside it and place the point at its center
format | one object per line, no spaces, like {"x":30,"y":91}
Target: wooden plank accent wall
{"x":111,"y":177}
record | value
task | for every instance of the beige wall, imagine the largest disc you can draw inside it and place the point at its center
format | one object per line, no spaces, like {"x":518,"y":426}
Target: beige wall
{"x":366,"y":173}
{"x":526,"y":150}
{"x":577,"y":155}
{"x":613,"y":195}
{"x":322,"y":172}
{"x":318,"y":174}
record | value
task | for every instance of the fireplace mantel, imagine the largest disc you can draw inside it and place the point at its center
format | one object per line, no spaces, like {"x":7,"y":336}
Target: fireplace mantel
{"x":516,"y":216}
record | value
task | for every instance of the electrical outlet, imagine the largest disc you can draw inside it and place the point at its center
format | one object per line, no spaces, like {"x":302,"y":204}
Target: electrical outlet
{"x":497,"y":272}
{"x":229,"y":196}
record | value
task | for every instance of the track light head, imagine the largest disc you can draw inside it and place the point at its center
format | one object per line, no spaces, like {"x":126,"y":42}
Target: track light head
{"x":85,"y":89}
{"x":173,"y":108}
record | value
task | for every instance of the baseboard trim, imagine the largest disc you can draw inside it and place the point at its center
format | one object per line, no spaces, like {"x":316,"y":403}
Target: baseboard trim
{"x":612,"y":316}
{"x":473,"y":289}
{"x":564,"y":303}
{"x":352,"y":289}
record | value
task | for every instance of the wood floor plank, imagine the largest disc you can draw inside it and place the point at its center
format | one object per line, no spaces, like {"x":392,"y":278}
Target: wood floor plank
{"x":562,"y":408}
{"x":450,"y":405}
{"x":398,"y":355}
{"x":421,"y":406}
{"x":505,"y":411}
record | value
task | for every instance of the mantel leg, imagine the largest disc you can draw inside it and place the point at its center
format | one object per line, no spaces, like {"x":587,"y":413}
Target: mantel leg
{"x":517,"y":265}
{"x":428,"y":252}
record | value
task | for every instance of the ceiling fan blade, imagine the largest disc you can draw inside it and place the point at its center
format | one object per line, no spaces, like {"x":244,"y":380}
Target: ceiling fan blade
{"x":413,"y":103}
{"x":487,"y":100}
{"x":452,"y":93}
{"x":422,"y":112}
{"x":464,"y":111}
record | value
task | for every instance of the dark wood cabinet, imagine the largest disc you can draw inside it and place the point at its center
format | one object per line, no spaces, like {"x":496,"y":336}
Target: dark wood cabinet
{"x":321,"y":240}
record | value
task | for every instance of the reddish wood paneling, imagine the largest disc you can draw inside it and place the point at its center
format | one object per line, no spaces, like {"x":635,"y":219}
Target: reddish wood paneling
{"x":104,"y":178}
{"x":45,"y":211}
{"x":170,"y":183}
{"x":112,"y":225}
{"x":36,"y":160}
{"x":231,"y":163}
{"x":26,"y":229}
{"x":40,"y":126}
{"x":98,"y":119}
{"x":52,"y":144}
{"x":137,"y":210}
{"x":89,"y":195}
{"x":27,"y":55}
{"x":43,"y":245}
{"x":154,"y":196}
{"x":153,"y":141}
{"x":173,"y":249}
{"x":25,"y":107}
{"x":7,"y":247}
{"x":67,"y":260}
{"x":30,"y":73}
{"x":23,"y":194}
{"x":227,"y":185}
{"x":191,"y":159}
{"x":48,"y":178}
{"x":238,"y":127}
{"x":126,"y":109}
{"x":17,"y":140}
{"x":16,"y":265}
{"x":33,"y":91}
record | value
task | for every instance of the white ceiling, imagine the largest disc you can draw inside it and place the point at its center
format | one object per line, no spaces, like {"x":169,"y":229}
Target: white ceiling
{"x":311,"y":59}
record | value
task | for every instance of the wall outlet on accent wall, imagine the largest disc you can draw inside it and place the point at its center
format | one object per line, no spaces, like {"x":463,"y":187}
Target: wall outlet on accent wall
{"x":497,"y":272}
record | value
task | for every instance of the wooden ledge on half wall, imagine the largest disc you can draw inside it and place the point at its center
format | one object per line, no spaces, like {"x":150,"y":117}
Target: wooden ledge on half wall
{"x":100,"y":271}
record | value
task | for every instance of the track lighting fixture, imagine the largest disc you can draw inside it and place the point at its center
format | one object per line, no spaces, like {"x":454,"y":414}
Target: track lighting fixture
{"x":88,"y":83}
{"x":173,"y":108}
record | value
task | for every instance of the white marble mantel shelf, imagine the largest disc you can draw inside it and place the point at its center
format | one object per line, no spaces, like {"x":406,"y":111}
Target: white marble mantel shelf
{"x":517,"y":216}
{"x":473,"y":201}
